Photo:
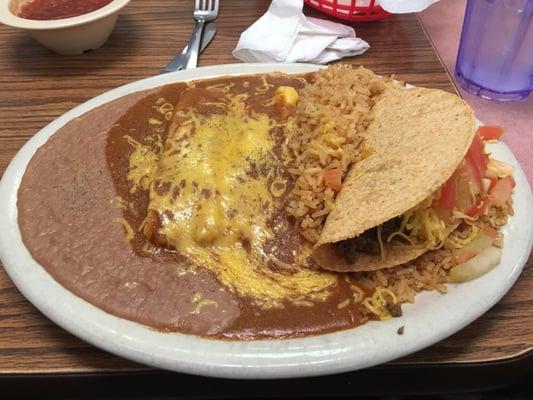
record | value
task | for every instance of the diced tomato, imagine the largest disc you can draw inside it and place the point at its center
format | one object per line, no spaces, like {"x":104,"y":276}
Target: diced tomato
{"x":333,"y":178}
{"x":493,"y":182}
{"x":473,"y":174}
{"x":490,"y":132}
{"x":490,"y":232}
{"x":476,"y":210}
{"x":467,"y":189}
{"x":477,"y":155}
{"x":501,"y":191}
{"x":447,"y":194}
{"x":463,"y":195}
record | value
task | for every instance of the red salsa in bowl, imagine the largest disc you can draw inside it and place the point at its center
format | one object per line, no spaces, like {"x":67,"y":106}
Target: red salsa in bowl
{"x":44,"y":10}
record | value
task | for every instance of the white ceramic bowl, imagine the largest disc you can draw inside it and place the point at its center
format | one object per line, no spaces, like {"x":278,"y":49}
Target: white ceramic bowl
{"x":68,"y":35}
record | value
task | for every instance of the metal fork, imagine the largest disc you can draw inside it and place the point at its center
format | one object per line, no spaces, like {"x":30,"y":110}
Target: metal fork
{"x":204,"y":11}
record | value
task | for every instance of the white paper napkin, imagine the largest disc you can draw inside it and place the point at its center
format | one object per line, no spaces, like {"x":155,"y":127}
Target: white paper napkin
{"x":393,"y":6}
{"x":405,"y":6}
{"x":284,"y":34}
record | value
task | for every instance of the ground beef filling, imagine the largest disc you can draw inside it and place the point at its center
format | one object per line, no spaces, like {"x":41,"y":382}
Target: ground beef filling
{"x":367,"y":242}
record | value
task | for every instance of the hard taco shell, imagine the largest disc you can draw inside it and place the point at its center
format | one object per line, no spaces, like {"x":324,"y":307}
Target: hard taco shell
{"x":417,"y":137}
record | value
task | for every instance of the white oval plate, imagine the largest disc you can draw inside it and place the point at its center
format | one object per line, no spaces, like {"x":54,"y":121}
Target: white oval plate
{"x":432,"y":318}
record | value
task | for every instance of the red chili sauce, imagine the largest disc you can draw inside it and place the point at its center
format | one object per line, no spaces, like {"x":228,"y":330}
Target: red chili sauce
{"x":43,"y":10}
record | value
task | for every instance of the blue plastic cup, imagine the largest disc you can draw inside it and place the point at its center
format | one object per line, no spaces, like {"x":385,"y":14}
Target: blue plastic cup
{"x":495,"y":58}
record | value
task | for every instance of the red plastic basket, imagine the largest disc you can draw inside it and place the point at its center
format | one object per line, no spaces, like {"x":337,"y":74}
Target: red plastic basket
{"x":350,"y":10}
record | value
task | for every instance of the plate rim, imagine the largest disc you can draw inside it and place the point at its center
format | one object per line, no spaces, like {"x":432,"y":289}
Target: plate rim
{"x":263,"y":359}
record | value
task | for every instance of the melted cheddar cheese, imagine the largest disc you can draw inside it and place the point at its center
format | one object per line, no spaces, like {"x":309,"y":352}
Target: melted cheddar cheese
{"x":210,"y":188}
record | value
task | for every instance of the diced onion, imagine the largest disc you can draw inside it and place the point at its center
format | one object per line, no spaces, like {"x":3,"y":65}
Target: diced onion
{"x":472,"y":249}
{"x":498,"y":169}
{"x":486,"y":184}
{"x":477,"y":266}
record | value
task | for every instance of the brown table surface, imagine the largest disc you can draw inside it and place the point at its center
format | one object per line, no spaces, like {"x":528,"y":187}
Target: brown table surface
{"x":36,"y":86}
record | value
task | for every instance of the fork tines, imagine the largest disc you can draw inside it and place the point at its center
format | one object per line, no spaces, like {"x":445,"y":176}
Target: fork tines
{"x":206,"y":5}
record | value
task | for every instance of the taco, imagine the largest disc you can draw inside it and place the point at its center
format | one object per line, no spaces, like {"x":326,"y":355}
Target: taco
{"x":427,"y":180}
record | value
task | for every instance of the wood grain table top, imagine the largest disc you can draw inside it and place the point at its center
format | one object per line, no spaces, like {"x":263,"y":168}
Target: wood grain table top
{"x":37,"y":86}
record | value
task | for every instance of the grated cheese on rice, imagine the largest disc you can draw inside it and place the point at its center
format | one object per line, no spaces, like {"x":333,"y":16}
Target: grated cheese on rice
{"x":331,"y":117}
